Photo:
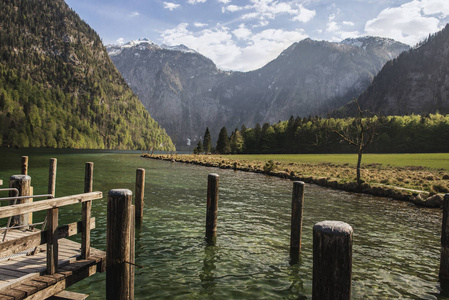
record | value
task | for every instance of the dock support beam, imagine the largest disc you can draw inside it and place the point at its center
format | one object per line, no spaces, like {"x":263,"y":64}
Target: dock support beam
{"x":86,"y":210}
{"x":296,"y":221}
{"x":118,"y":245}
{"x":332,"y":260}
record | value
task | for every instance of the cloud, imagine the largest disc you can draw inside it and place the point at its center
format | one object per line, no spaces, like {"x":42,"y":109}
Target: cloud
{"x":233,"y":8}
{"x":304,"y":15}
{"x":224,"y":1}
{"x":199,"y":25}
{"x":171,"y":6}
{"x":334,"y":28}
{"x":239,"y":49}
{"x":195,"y":1}
{"x":410,"y":22}
{"x":134,"y":14}
{"x":120,"y":41}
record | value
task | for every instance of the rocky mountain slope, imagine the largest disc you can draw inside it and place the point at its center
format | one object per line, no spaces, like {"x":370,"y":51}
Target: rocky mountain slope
{"x":59,"y":88}
{"x":415,"y":82}
{"x":185,"y":92}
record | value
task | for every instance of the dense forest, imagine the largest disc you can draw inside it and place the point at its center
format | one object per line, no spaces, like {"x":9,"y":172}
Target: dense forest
{"x":394,"y":134}
{"x":58,"y":87}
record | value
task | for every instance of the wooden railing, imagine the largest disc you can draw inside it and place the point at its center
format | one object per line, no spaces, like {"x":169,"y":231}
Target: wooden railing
{"x":53,"y":232}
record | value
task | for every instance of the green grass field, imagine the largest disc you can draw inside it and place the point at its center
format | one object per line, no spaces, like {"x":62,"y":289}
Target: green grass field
{"x":428,"y":160}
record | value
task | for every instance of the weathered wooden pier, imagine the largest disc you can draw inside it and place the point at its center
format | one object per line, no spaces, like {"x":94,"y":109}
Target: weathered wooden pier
{"x":42,"y":263}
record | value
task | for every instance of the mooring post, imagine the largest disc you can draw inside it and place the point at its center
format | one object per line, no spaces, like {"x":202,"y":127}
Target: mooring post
{"x":212,"y":208}
{"x":24,"y":166}
{"x":140,"y":190}
{"x":444,"y":261}
{"x":52,"y":241}
{"x":132,"y":251}
{"x":118,"y":244}
{"x":52,"y":177}
{"x":23,"y":184}
{"x":332,"y":260}
{"x":86,"y":210}
{"x":296,"y":221}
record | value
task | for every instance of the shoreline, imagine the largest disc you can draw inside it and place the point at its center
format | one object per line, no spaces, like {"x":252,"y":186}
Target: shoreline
{"x":417,"y":197}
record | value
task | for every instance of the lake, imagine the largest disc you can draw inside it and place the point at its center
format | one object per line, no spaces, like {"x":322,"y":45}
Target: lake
{"x":396,"y":246}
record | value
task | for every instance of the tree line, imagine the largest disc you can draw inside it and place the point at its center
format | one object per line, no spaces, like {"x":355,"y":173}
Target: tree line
{"x":394,"y":134}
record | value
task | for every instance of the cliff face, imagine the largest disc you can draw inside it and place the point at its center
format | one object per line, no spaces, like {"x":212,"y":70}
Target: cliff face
{"x":185,"y":92}
{"x":59,"y":88}
{"x":415,"y":82}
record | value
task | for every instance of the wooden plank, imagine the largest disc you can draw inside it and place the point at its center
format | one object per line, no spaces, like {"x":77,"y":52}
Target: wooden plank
{"x":24,"y":242}
{"x":6,"y":297}
{"x":11,"y":210}
{"x":66,"y":295}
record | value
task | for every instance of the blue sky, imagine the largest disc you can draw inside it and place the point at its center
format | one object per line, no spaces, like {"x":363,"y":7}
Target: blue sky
{"x":246,"y":34}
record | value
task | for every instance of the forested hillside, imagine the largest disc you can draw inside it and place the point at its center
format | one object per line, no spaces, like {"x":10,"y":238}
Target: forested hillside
{"x":58,"y":87}
{"x":394,"y":134}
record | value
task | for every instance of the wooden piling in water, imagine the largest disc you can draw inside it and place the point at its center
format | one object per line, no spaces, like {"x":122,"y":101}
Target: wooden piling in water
{"x":52,"y":177}
{"x":212,"y":208}
{"x":24,"y":166}
{"x":23,"y":184}
{"x":118,"y":244}
{"x":140,"y":190}
{"x":296,"y":221}
{"x":332,"y":260}
{"x":86,"y":210}
{"x":444,"y":259}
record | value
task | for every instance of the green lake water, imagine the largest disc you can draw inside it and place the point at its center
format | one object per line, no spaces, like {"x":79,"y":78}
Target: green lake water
{"x":395,"y":253}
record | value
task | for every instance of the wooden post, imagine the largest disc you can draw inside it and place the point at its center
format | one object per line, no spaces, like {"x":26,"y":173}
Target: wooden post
{"x":444,"y":260}
{"x":332,"y":260}
{"x":52,"y":241}
{"x":132,"y":252}
{"x":52,"y":177}
{"x":296,"y":221}
{"x":140,"y":190}
{"x":24,"y":166}
{"x":23,"y":184}
{"x":212,"y":208}
{"x":118,"y":244}
{"x":87,"y":211}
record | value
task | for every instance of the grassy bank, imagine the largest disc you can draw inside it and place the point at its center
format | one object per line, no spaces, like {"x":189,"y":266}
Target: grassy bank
{"x":412,"y":177}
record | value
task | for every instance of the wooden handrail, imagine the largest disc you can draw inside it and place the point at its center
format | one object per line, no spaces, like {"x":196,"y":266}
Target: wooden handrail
{"x":24,"y":208}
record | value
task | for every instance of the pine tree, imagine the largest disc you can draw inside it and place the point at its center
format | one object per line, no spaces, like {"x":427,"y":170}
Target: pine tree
{"x":236,"y":142}
{"x":223,"y":144}
{"x":207,"y":145}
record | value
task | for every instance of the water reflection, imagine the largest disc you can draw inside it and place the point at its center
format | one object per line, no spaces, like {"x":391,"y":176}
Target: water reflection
{"x":207,"y":276}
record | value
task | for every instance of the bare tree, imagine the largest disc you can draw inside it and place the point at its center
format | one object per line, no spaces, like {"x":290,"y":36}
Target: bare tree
{"x":360,"y":133}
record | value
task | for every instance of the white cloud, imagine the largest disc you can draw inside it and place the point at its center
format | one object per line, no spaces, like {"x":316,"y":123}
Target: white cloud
{"x":195,"y":1}
{"x":410,"y":22}
{"x":224,"y":1}
{"x":171,"y":6}
{"x":218,"y":44}
{"x":304,"y":15}
{"x":134,"y":14}
{"x":199,"y":25}
{"x":334,"y":28}
{"x":233,"y":8}
{"x":120,"y":41}
{"x":348,"y":23}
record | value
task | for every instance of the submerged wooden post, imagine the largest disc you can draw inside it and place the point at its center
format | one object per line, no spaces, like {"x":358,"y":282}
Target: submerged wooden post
{"x":23,"y":184}
{"x":444,"y":260}
{"x":296,"y":221}
{"x":118,"y":244}
{"x":86,"y":211}
{"x":24,"y":166}
{"x":212,"y":208}
{"x":332,"y":260}
{"x":140,"y":190}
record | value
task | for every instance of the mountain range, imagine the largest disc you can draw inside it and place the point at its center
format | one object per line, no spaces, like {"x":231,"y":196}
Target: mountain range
{"x":185,"y":91}
{"x":59,"y":88}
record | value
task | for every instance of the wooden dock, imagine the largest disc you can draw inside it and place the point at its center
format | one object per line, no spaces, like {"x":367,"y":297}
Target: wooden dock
{"x":24,"y":276}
